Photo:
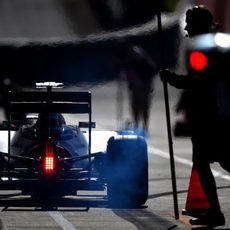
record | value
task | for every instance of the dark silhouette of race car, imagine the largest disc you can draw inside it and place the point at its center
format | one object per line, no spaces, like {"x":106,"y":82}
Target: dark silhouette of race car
{"x":43,"y":156}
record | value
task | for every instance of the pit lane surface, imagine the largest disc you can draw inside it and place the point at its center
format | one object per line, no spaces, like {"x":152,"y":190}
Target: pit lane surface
{"x":90,"y":211}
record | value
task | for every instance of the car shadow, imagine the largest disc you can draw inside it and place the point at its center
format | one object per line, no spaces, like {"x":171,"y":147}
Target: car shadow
{"x":145,"y":219}
{"x":70,"y":203}
{"x":208,"y":228}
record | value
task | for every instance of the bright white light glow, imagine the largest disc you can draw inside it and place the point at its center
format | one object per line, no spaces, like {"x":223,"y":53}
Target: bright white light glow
{"x":6,"y":179}
{"x":222,"y":40}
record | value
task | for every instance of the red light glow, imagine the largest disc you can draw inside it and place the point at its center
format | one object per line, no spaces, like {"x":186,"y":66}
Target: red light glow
{"x":49,"y":163}
{"x":198,"y":61}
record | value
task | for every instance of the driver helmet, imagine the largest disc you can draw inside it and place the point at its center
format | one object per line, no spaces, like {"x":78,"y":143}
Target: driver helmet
{"x":50,"y":123}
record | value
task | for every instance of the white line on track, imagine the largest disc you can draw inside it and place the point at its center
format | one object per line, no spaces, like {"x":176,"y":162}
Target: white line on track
{"x":62,"y":221}
{"x":184,"y":161}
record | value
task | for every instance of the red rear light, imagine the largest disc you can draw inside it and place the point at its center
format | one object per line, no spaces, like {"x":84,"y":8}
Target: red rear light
{"x":198,"y":61}
{"x":49,"y":163}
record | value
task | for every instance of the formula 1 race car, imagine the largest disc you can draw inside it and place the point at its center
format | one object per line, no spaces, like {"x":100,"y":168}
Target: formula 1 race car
{"x":42,"y":156}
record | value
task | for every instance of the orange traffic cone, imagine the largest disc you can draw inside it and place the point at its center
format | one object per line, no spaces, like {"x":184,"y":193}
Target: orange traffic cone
{"x":197,"y":202}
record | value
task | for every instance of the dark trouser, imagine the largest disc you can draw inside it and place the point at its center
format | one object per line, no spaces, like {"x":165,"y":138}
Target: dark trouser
{"x":204,"y":151}
{"x":211,"y":143}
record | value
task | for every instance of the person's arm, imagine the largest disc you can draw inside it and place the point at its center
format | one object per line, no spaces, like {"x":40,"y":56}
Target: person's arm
{"x":178,"y":81}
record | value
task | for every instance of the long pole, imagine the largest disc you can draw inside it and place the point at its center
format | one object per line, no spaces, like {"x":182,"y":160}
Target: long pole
{"x":166,"y":97}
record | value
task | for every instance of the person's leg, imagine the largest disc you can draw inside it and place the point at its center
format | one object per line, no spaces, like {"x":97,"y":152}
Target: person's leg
{"x":201,"y":163}
{"x":208,"y":184}
{"x":223,"y":143}
{"x":148,"y":94}
{"x":214,"y":216}
{"x":146,"y":118}
{"x":135,"y":110}
{"x":136,"y":116}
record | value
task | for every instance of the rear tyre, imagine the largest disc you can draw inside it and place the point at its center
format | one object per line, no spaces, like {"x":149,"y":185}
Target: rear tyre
{"x":127,"y":172}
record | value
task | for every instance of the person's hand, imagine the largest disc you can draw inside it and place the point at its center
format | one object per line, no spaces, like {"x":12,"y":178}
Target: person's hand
{"x":165,"y":75}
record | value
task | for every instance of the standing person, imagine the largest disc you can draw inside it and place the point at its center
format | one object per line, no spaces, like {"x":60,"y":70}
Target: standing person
{"x":202,"y":107}
{"x":138,"y":68}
